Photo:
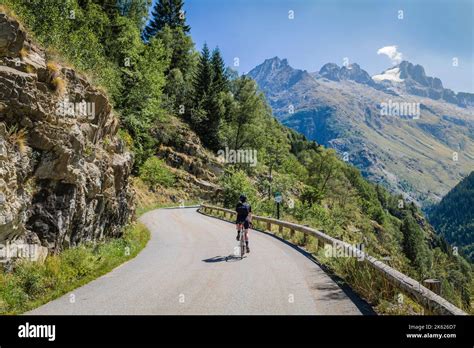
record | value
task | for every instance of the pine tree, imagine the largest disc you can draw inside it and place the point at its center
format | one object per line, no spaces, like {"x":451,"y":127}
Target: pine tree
{"x":204,"y":76}
{"x":220,"y":82}
{"x":413,"y":243}
{"x":209,"y":82}
{"x":166,"y":13}
{"x":201,"y":83}
{"x":168,"y":24}
{"x":215,"y":112}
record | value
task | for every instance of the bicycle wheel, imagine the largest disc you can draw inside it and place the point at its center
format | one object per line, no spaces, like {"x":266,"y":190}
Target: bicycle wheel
{"x":242,"y":245}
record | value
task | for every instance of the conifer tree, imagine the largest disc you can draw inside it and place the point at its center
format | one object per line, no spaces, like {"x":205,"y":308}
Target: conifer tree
{"x":204,"y":76}
{"x":168,"y":24}
{"x":413,"y":243}
{"x":219,"y":81}
{"x":166,"y":13}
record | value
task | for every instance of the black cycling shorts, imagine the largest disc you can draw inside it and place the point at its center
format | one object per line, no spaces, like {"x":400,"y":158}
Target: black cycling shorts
{"x":245,"y":223}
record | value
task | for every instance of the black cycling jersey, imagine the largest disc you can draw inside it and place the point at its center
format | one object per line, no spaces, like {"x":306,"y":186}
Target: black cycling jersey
{"x":243,"y":210}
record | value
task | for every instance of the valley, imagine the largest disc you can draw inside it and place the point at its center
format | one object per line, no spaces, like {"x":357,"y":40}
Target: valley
{"x":419,"y":153}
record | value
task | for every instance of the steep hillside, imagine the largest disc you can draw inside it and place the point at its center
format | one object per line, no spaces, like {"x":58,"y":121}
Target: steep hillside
{"x":453,"y":217}
{"x":401,"y":129}
{"x":63,"y":172}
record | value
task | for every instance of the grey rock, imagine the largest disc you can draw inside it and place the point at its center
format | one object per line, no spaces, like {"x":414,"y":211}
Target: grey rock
{"x":61,"y":185}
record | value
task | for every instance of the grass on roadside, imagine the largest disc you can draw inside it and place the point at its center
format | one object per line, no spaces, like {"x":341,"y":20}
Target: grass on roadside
{"x":31,"y":285}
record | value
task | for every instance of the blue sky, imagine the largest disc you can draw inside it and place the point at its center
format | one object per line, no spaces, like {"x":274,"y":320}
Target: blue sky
{"x":431,"y":33}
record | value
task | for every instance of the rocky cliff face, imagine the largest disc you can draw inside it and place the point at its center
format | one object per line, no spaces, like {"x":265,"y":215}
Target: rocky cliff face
{"x":63,"y":172}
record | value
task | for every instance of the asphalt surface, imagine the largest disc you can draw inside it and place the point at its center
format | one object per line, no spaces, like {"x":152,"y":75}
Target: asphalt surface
{"x":189,"y":267}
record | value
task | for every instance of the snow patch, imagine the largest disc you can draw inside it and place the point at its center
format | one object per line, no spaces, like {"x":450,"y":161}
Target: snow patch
{"x":391,"y":75}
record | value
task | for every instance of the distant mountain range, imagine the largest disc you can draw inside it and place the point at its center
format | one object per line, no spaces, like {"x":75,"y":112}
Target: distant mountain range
{"x":401,"y":128}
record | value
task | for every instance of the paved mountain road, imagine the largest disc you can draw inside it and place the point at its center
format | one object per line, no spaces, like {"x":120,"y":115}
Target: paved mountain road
{"x":184,"y":270}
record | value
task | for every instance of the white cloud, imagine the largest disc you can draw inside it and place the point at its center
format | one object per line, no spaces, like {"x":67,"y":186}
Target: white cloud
{"x":392,"y":53}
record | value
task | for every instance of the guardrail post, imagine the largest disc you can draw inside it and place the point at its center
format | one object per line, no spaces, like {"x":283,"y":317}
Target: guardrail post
{"x":433,"y":284}
{"x":269,"y":226}
{"x":280,"y":229}
{"x":304,"y":239}
{"x":320,"y":244}
{"x":292,"y":233}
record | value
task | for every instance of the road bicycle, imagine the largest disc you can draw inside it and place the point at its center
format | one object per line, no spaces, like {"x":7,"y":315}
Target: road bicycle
{"x":242,"y":245}
{"x":241,"y":242}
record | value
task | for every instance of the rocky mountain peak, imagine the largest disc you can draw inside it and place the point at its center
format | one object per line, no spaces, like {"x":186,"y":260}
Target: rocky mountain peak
{"x":330,"y":71}
{"x":276,"y":74}
{"x":412,"y":79}
{"x":272,"y":64}
{"x":414,"y":72}
{"x":352,"y":72}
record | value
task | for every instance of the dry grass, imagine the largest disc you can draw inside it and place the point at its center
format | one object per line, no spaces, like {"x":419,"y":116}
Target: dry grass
{"x":57,"y":58}
{"x":53,"y":68}
{"x":59,"y":85}
{"x":10,"y":13}
{"x":18,"y":138}
{"x":57,"y":81}
{"x":23,"y":53}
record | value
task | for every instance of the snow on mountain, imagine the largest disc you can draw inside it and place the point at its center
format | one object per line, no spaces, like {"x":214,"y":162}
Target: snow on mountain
{"x":390,"y":75}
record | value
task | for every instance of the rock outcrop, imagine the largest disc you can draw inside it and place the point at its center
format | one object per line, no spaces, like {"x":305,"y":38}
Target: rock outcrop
{"x":63,"y":171}
{"x":197,"y":169}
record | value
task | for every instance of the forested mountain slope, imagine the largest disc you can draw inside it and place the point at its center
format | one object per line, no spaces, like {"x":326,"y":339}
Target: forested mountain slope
{"x":453,"y":217}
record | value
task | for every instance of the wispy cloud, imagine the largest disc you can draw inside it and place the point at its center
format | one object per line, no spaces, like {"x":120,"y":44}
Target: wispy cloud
{"x":391,"y":52}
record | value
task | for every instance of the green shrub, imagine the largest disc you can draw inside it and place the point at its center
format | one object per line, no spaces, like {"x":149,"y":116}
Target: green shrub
{"x":154,"y":172}
{"x":235,"y":183}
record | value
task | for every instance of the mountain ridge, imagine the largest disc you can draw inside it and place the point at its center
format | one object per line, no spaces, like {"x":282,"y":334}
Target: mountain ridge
{"x":340,"y":108}
{"x":414,"y":77}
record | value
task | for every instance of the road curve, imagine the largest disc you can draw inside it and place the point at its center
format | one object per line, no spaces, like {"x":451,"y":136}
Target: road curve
{"x":186,"y":269}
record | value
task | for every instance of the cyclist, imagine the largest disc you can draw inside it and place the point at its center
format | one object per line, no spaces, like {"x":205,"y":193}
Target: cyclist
{"x":244,"y":218}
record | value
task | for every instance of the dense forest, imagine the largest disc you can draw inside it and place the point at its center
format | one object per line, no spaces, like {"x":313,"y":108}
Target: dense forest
{"x":453,"y":217}
{"x":153,"y":74}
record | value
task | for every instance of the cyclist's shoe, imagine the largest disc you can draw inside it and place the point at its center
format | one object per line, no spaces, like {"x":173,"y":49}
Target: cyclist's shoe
{"x":238,"y":236}
{"x":248,"y":249}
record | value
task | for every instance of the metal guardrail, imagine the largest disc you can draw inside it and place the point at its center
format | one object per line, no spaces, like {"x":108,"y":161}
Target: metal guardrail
{"x":424,"y":296}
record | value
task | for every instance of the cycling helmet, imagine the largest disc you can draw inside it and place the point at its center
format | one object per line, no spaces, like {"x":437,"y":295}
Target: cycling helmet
{"x":242,"y":198}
